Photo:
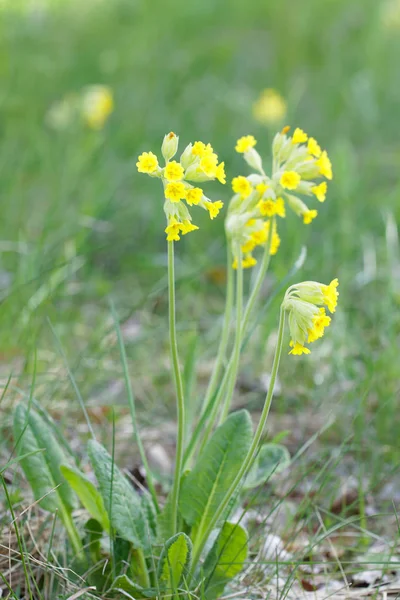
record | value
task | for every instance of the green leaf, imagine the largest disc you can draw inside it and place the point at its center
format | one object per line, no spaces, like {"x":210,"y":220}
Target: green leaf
{"x":150,"y":513}
{"x":87,"y":494}
{"x":271,"y":459}
{"x":225,"y":559}
{"x":124,"y":584}
{"x":174,"y":561}
{"x":206,"y":485}
{"x":121,"y":501}
{"x":41,"y":457}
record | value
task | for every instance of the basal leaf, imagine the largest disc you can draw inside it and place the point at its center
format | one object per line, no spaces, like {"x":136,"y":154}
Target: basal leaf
{"x":124,"y":584}
{"x":42,"y":460}
{"x":271,"y":459}
{"x":121,"y":501}
{"x":87,"y":494}
{"x":206,"y":485}
{"x":174,"y":561}
{"x":225,"y":559}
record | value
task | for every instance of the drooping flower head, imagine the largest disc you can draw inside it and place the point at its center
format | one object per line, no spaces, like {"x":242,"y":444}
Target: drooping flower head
{"x":198,"y":163}
{"x":97,"y":105}
{"x":298,"y":163}
{"x":305,"y":304}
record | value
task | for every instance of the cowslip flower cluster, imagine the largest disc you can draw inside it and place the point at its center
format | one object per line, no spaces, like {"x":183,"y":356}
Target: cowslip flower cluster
{"x":298,"y":163}
{"x":197,"y":164}
{"x":93,"y":105}
{"x":270,"y":108}
{"x":305,"y":303}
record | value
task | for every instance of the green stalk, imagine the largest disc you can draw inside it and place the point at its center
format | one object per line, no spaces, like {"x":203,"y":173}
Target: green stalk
{"x":180,"y":402}
{"x":144,"y":579}
{"x":73,"y":534}
{"x":224,"y":333}
{"x":232,"y":369}
{"x":248,"y":461}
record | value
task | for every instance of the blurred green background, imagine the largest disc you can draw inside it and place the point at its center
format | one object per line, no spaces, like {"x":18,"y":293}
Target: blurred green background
{"x":79,"y":224}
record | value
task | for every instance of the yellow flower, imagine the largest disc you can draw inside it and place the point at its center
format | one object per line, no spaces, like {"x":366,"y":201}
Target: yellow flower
{"x":242,"y":186}
{"x":208,"y":164}
{"x":267,"y":207}
{"x":248,"y":261}
{"x":275,"y":243}
{"x":313,"y":147}
{"x":245,"y":143}
{"x":298,"y":349}
{"x":193,"y":196}
{"x":299,"y":136}
{"x":248,"y":246}
{"x":220,"y":173}
{"x":187,"y":226}
{"x":175,"y":191}
{"x":173,"y":171}
{"x":319,"y":323}
{"x":97,"y":105}
{"x":325,"y":165}
{"x":270,"y":107}
{"x":331,"y":295}
{"x":213,"y":208}
{"x":262,"y":188}
{"x":147,"y":163}
{"x":280,"y":207}
{"x":308,"y":216}
{"x":320,"y":191}
{"x":200,"y":149}
{"x":260,"y":237}
{"x":172,"y":230}
{"x":290,"y":180}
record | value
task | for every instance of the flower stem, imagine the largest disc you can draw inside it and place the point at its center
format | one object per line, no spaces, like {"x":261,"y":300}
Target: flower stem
{"x":224,"y":333}
{"x":248,"y":461}
{"x":179,"y":388}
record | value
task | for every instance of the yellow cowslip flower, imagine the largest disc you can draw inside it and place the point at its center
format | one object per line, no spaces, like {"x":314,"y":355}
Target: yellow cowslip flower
{"x":262,"y":188}
{"x":248,"y":246}
{"x":298,"y":349}
{"x":172,"y":230}
{"x":173,"y":171}
{"x":97,"y":105}
{"x":245,"y":143}
{"x":242,"y":186}
{"x":307,"y":318}
{"x":175,"y":191}
{"x":147,"y":163}
{"x":308,"y":216}
{"x":270,"y":107}
{"x":290,"y":180}
{"x":325,"y":165}
{"x":313,"y":147}
{"x":319,"y":191}
{"x":198,"y":162}
{"x":248,"y":261}
{"x":193,"y":196}
{"x":331,"y":295}
{"x":213,"y":208}
{"x":267,"y":207}
{"x":299,"y":136}
{"x":280,"y":208}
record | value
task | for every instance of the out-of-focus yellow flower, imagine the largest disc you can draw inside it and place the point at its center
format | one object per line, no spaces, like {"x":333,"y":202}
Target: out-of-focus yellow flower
{"x":270,"y":107}
{"x":97,"y":105}
{"x":242,"y":186}
{"x":325,"y":165}
{"x":290,"y":180}
{"x":308,"y":216}
{"x":245,"y":143}
{"x":306,"y":315}
{"x":299,"y":136}
{"x":313,"y":147}
{"x":320,"y":190}
{"x":197,"y":163}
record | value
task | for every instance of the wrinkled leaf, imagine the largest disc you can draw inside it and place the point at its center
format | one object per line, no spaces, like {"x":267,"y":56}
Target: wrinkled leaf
{"x":272,"y":458}
{"x":225,"y":559}
{"x":133,"y":589}
{"x":87,"y":494}
{"x":42,"y":460}
{"x":174,"y":561}
{"x":121,"y":501}
{"x":206,"y":485}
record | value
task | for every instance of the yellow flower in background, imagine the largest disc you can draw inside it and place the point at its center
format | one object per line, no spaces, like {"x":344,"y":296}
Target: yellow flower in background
{"x":298,"y":349}
{"x":313,"y":147}
{"x":245,"y":143}
{"x":198,"y":163}
{"x":299,"y":137}
{"x":147,"y":163}
{"x":270,"y":107}
{"x":325,"y":165}
{"x":320,"y":190}
{"x":242,"y":186}
{"x":290,"y":180}
{"x":331,"y":294}
{"x":97,"y":105}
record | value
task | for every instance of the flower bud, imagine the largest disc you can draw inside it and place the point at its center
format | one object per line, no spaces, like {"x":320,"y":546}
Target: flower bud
{"x":253,"y":159}
{"x":187,"y":157}
{"x":169,"y":146}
